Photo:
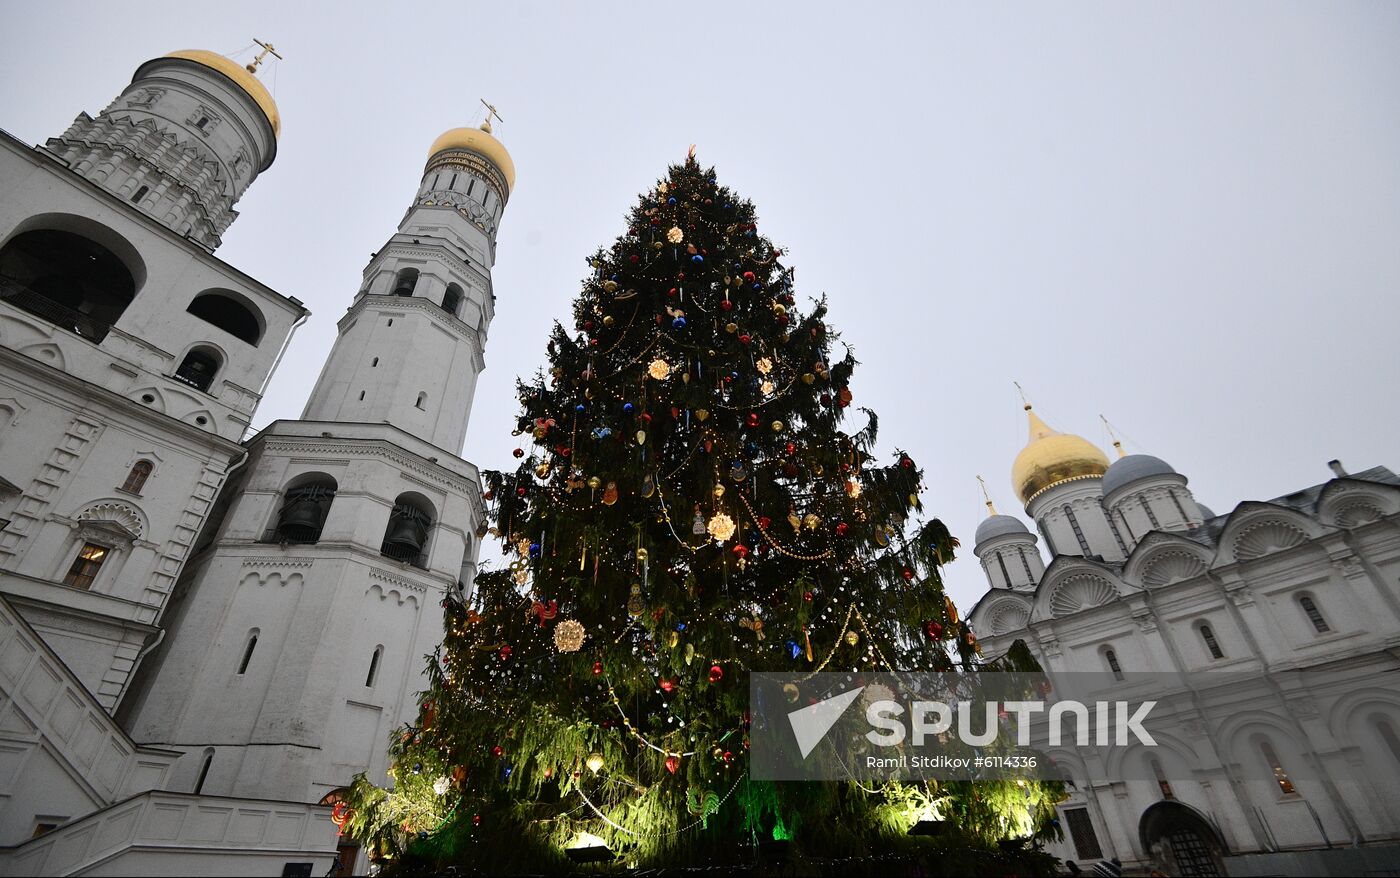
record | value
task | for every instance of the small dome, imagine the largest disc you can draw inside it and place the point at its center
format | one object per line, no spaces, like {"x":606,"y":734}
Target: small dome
{"x":480,"y":141}
{"x":241,"y":78}
{"x":1051,"y":457}
{"x":1126,"y":470}
{"x":999,"y":526}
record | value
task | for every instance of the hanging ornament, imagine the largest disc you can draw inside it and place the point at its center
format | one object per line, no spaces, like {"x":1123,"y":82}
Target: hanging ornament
{"x":648,"y":486}
{"x":721,"y":526}
{"x":498,"y":751}
{"x":792,"y":519}
{"x":610,"y":494}
{"x":689,"y":653}
{"x":544,"y":611}
{"x":794,"y":649}
{"x":767,"y":387}
{"x":908,"y":574}
{"x":675,"y":235}
{"x":718,"y":490}
{"x":702,"y":414}
{"x":569,"y":636}
{"x":698,"y":527}
{"x":777,"y":426}
{"x":595,"y":762}
{"x":952,"y":610}
{"x":811,"y":521}
{"x":754,"y":624}
{"x":673,"y":762}
{"x":791,"y":692}
{"x":737,"y":472}
{"x":764,"y":365}
{"x":641,"y":440}
{"x":505,"y":653}
{"x":842,"y":528}
{"x":933,"y":630}
{"x":635,"y":605}
{"x":716,"y":673}
{"x":667,"y":685}
{"x":852,"y":638}
{"x":597,"y":669}
{"x":659,"y":369}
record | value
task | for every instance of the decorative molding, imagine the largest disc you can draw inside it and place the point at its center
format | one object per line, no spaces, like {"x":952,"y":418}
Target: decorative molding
{"x":1171,"y":566}
{"x":1266,"y":537}
{"x":290,"y":445}
{"x":124,"y":515}
{"x":1081,"y":592}
{"x":279,"y":562}
{"x":397,"y":581}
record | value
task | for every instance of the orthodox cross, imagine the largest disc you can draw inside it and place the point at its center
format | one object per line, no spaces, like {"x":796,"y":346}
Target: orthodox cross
{"x":991,"y":510}
{"x":490,"y":111}
{"x":267,"y":49}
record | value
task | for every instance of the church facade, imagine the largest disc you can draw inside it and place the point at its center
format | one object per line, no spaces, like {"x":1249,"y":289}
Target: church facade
{"x":204,"y":636}
{"x":1282,"y":755}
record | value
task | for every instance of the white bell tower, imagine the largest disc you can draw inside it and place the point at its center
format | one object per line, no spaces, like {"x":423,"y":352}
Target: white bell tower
{"x":301,"y":627}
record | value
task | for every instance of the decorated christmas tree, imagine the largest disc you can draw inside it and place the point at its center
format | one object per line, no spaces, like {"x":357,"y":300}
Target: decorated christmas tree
{"x":687,"y":508}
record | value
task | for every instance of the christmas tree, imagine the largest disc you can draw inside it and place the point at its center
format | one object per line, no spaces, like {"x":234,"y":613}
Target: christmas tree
{"x":687,"y":508}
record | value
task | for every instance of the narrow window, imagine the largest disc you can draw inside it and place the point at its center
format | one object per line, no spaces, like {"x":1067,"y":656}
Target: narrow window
{"x":374,"y":363}
{"x":1005,"y":575}
{"x":362,"y":396}
{"x":453,"y":184}
{"x":140,"y":194}
{"x":374,"y":666}
{"x":391,"y":322}
{"x":1162,"y":783}
{"x":1284,"y":784}
{"x":136,"y":479}
{"x":471,"y":186}
{"x":86,"y":565}
{"x":1314,"y":614}
{"x":1209,"y":637}
{"x":248,"y":653}
{"x":1078,"y":534}
{"x":1387,"y":733}
{"x":204,"y":771}
{"x":203,"y":120}
{"x":422,"y":398}
{"x":1112,"y":658}
{"x":435,"y":180}
{"x":1081,"y":829}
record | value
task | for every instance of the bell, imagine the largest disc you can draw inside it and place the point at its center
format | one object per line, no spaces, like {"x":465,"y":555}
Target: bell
{"x":403,"y":541}
{"x":300,"y":519}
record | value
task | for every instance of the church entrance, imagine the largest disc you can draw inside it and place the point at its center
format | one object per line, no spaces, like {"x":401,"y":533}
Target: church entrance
{"x":1181,"y":840}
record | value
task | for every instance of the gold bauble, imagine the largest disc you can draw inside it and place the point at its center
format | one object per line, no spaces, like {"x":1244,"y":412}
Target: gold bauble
{"x":685,"y":377}
{"x":595,"y":483}
{"x":731,"y":327}
{"x":852,"y":638}
{"x":569,"y":636}
{"x":610,"y":286}
{"x":778,"y":308}
{"x":643,"y":555}
{"x":808,"y":378}
{"x":777,"y":426}
{"x":659,"y":369}
{"x":542,"y":471}
{"x":791,"y":693}
{"x":719,"y":489}
{"x":672,"y":639}
{"x":656,"y":245}
{"x":595,"y":762}
{"x":608,"y":320}
{"x":702,"y":414}
{"x":641,"y":437}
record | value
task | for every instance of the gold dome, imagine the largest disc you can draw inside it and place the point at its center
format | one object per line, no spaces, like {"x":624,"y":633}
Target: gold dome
{"x":478,"y":140}
{"x":241,"y":77}
{"x":1051,"y":458}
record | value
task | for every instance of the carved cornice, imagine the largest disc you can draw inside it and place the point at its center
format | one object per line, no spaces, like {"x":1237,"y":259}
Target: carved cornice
{"x":339,"y":448}
{"x":278,"y":562}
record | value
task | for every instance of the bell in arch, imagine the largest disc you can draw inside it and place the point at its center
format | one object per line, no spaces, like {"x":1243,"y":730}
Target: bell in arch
{"x":303,"y":514}
{"x":406,"y":534}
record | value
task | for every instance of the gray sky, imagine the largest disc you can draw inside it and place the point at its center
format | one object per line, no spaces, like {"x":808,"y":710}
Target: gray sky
{"x":1185,"y":216}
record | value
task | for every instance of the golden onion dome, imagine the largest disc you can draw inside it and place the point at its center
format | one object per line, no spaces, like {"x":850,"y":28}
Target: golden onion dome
{"x":480,"y":141}
{"x":1051,"y":458}
{"x":241,"y":77}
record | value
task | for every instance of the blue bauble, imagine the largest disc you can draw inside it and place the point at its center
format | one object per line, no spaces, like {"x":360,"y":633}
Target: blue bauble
{"x":534,"y":550}
{"x":680,"y":626}
{"x":627,"y":407}
{"x":678,"y":323}
{"x":671,"y":200}
{"x":697,"y":259}
{"x":793,"y":649}
{"x":579,"y":408}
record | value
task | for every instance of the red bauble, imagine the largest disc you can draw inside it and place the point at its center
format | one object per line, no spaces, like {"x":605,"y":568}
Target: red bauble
{"x":764,"y":522}
{"x":498,"y":751}
{"x":741,"y":551}
{"x":476,"y":820}
{"x":808,"y":596}
{"x":791,"y":448}
{"x":908,"y":574}
{"x":668,"y":686}
{"x":597,"y":668}
{"x":744,"y":339}
{"x":726,"y":305}
{"x":906,"y":462}
{"x":672,"y":292}
{"x":752,"y":419}
{"x":842,"y":528}
{"x":933,"y":630}
{"x":633,"y":258}
{"x":520,"y":491}
{"x":716,"y":673}
{"x":505,"y":653}
{"x":588,"y":325}
{"x":749,"y":276}
{"x":673,"y":762}
{"x":519,"y":452}
{"x":728,"y":757}
{"x":593,"y":342}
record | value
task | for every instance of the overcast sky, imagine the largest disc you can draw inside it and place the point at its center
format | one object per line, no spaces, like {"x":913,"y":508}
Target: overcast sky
{"x":1185,"y":216}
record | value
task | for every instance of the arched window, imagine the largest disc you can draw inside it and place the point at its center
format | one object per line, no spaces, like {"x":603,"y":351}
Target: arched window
{"x":305,"y":504}
{"x":405,"y":281}
{"x":1162,"y":783}
{"x":406,"y":536}
{"x":374,"y":665}
{"x":248,"y":651}
{"x":452,"y":299}
{"x":136,"y":479}
{"x":1386,"y":731}
{"x":67,"y":279}
{"x":1314,"y":615}
{"x":204,"y":770}
{"x":198,"y":368}
{"x":373,"y":363}
{"x":1284,"y":783}
{"x":1111,"y":658}
{"x":1211,"y":645}
{"x":235,"y":317}
{"x":422,"y":399}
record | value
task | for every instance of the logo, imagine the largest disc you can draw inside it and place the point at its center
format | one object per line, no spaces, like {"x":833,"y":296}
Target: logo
{"x":810,"y":724}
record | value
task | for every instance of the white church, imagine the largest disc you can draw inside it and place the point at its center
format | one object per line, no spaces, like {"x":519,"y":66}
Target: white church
{"x":175,"y":593}
{"x":1283,"y":616}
